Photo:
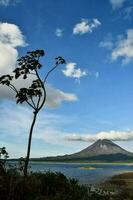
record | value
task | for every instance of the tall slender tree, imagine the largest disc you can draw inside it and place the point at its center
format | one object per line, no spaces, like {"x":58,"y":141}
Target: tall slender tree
{"x":35,"y":94}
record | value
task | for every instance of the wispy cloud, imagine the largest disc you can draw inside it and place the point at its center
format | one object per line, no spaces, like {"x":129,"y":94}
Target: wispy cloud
{"x":8,"y":2}
{"x":59,"y":32}
{"x":107,"y":42}
{"x":71,"y":70}
{"x":128,"y":13}
{"x":55,"y":97}
{"x":49,"y":130}
{"x":97,"y":74}
{"x":124,"y":48}
{"x":85,"y":26}
{"x":110,"y":135}
{"x":116,"y":4}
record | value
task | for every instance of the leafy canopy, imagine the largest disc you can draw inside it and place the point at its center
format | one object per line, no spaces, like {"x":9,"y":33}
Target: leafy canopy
{"x":29,"y":64}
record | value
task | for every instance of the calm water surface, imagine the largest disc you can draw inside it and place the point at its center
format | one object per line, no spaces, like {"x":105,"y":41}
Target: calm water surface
{"x":101,"y":172}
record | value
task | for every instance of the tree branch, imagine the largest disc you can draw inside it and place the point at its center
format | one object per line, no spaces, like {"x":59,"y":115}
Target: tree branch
{"x":43,"y":87}
{"x":11,"y":88}
{"x":38,"y":101}
{"x":33,"y":102}
{"x":30,"y":104}
{"x":14,"y":88}
{"x":50,"y":72}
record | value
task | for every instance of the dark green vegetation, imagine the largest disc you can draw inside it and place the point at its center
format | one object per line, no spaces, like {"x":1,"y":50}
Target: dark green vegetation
{"x":100,"y":151}
{"x":55,"y":186}
{"x":34,"y":94}
{"x":101,"y":159}
{"x":38,"y":186}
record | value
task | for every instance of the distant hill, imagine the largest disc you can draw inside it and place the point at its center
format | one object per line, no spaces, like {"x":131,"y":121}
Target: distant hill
{"x":102,"y":151}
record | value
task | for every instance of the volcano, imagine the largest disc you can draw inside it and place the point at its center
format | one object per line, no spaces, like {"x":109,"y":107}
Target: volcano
{"x":102,"y":147}
{"x":102,"y":151}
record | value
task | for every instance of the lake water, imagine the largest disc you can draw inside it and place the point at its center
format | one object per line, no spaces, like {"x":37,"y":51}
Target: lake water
{"x":101,"y":172}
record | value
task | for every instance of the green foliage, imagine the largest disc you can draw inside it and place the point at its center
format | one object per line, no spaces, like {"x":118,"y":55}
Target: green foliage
{"x":39,"y":186}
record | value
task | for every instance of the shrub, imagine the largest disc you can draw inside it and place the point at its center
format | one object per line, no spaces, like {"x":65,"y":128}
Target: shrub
{"x":39,"y":186}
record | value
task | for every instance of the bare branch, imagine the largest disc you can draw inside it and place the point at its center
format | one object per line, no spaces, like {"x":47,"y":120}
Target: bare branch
{"x":38,"y":101}
{"x":44,"y":99}
{"x":11,"y":88}
{"x":30,"y":105}
{"x":44,"y":90}
{"x":14,"y":88}
{"x":48,"y":73}
{"x":33,"y":102}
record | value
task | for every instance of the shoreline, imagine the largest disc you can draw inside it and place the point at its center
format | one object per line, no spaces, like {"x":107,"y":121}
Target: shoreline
{"x":85,"y":163}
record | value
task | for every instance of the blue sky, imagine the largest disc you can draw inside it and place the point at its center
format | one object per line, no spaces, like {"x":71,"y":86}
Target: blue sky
{"x":89,"y":98}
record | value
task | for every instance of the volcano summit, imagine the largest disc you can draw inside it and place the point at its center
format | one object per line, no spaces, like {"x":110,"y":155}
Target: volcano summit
{"x":101,"y":151}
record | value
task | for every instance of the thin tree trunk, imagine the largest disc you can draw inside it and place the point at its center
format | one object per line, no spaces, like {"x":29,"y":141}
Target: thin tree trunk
{"x":29,"y":144}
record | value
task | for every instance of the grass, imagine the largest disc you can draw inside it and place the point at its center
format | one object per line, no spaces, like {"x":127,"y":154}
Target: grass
{"x":123,"y":180}
{"x":121,"y":185}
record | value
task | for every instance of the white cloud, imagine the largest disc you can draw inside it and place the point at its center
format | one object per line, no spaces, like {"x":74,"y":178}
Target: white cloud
{"x":10,"y":34}
{"x":121,"y":48}
{"x":117,"y":3}
{"x":85,"y":26}
{"x":124,"y":48}
{"x":55,"y":97}
{"x":10,"y":38}
{"x":8,"y":2}
{"x":59,"y":32}
{"x":82,"y":27}
{"x":95,"y":23}
{"x":72,"y":71}
{"x":4,"y":2}
{"x":111,"y":135}
{"x":8,"y":57}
